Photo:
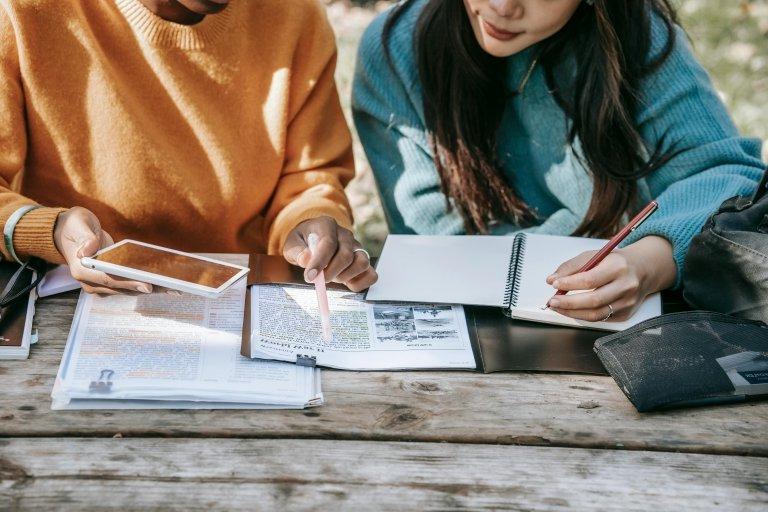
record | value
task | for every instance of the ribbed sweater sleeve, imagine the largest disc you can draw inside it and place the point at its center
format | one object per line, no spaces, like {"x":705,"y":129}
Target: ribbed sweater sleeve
{"x":683,"y":112}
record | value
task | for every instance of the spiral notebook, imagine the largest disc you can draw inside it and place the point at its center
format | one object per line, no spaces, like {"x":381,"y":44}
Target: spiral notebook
{"x":505,"y":271}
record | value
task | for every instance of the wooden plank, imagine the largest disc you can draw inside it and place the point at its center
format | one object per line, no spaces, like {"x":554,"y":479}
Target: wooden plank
{"x":224,"y":474}
{"x":464,"y":407}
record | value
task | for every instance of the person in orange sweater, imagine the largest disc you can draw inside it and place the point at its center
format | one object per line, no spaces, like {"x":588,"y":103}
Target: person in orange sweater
{"x":202,"y":125}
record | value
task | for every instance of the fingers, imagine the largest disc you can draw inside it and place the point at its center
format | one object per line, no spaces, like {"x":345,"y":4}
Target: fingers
{"x":319,"y":259}
{"x":350,"y":266}
{"x":594,"y":300}
{"x":571,"y":266}
{"x":359,"y":265}
{"x":606,"y":271}
{"x":297,"y":252}
{"x":622,"y":310}
{"x":99,"y":290}
{"x":363,"y":281}
{"x":335,"y":254}
{"x":106,"y":240}
{"x":615,"y":282}
{"x":345,"y":258}
{"x":99,"y":280}
{"x":295,"y":247}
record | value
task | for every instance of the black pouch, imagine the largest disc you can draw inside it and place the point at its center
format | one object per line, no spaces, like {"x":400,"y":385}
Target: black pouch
{"x":688,"y":358}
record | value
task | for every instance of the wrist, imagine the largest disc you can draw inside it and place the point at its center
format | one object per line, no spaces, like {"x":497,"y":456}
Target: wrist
{"x":33,"y":235}
{"x":655,"y":262}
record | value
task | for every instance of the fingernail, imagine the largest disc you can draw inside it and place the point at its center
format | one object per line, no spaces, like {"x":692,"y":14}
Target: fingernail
{"x":303,"y":257}
{"x":553,"y":303}
{"x":311,"y":274}
{"x":551,"y":277}
{"x":556,"y":283}
{"x":144,"y":289}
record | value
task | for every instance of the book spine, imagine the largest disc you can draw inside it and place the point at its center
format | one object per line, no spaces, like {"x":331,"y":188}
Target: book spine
{"x":515,"y":263}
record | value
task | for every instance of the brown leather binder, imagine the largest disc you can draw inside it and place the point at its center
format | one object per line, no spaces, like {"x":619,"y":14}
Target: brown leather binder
{"x":16,"y":321}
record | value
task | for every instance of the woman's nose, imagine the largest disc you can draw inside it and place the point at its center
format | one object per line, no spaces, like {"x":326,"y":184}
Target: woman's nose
{"x":507,"y":8}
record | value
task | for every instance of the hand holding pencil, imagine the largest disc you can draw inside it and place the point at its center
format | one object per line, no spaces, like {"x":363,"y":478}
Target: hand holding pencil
{"x":340,"y":257}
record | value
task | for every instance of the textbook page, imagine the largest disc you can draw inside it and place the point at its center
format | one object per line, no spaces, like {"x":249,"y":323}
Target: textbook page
{"x":172,"y":346}
{"x":285,"y":322}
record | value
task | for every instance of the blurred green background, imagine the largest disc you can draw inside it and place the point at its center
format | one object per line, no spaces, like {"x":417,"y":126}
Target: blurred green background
{"x":730,"y":37}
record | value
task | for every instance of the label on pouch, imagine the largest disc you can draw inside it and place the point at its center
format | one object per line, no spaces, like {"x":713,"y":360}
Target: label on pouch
{"x":745,"y":369}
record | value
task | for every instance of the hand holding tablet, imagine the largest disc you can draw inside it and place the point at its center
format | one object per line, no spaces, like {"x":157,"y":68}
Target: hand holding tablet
{"x":166,"y":267}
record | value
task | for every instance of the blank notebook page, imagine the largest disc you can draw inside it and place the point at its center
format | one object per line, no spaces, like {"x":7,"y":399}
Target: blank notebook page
{"x":445,"y":269}
{"x":541,"y":257}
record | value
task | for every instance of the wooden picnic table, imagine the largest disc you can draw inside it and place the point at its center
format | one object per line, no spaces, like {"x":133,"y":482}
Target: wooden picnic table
{"x":385,"y":440}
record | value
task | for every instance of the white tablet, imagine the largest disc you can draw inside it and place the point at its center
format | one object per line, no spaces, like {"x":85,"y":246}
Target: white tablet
{"x":166,"y":267}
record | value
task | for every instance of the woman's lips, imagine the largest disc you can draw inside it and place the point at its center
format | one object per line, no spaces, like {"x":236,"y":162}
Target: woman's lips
{"x":497,"y":33}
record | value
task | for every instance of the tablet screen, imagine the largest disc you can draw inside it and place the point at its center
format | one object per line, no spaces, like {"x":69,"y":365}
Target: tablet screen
{"x":169,"y":264}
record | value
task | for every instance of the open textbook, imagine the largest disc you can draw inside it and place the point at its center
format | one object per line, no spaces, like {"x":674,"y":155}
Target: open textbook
{"x":172,"y":350}
{"x":284,"y":324}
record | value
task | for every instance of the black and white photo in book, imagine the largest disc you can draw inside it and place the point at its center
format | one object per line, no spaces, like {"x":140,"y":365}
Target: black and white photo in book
{"x":417,"y":326}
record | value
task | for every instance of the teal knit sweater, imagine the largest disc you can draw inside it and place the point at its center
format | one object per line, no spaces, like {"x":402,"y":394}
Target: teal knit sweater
{"x":678,"y":100}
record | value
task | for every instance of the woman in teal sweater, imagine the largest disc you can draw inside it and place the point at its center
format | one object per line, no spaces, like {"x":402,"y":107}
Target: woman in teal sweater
{"x":553,"y":116}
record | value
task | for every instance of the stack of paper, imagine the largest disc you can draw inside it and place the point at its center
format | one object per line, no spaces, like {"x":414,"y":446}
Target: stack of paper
{"x":172,"y":350}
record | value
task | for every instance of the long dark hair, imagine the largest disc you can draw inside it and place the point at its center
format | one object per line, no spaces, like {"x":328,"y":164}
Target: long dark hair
{"x":465,"y":97}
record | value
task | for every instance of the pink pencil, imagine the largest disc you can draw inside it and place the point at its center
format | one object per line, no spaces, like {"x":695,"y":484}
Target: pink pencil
{"x":322,"y":294}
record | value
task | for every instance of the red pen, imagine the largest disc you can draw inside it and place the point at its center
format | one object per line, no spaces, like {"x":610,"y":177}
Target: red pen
{"x":615,"y":241}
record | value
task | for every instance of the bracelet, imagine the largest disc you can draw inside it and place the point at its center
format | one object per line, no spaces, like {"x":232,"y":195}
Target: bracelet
{"x":10,"y":226}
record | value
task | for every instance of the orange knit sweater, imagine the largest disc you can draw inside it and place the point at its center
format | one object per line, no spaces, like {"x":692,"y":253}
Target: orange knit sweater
{"x":216,"y":137}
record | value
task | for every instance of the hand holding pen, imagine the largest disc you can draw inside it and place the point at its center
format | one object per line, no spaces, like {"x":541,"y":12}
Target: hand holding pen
{"x":617,"y":279}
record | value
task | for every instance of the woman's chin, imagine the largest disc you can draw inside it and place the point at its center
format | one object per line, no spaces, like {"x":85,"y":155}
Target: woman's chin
{"x":503,"y":48}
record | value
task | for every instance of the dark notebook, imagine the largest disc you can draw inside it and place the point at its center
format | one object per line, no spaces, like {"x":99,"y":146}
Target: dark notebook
{"x":16,"y":320}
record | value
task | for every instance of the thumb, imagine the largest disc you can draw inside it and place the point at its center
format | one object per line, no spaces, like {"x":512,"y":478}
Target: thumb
{"x":295,"y":250}
{"x":89,"y":245}
{"x":571,"y":266}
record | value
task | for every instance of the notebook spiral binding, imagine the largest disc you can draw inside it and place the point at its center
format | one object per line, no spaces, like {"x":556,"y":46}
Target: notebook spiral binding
{"x":515,"y":261}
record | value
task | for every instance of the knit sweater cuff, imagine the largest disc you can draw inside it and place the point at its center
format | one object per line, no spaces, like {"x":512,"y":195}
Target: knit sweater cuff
{"x":33,"y":235}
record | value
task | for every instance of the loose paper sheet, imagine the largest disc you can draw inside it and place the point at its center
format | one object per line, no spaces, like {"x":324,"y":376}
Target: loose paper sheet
{"x":172,"y":346}
{"x":57,"y":280}
{"x":285,"y":322}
